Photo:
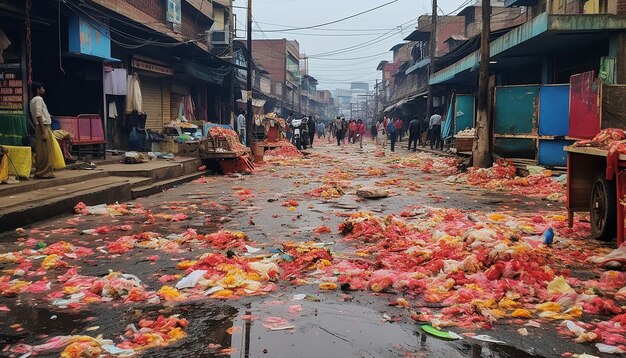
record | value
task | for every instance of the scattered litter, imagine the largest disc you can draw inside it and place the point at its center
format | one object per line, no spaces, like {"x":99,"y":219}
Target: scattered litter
{"x":440,"y":334}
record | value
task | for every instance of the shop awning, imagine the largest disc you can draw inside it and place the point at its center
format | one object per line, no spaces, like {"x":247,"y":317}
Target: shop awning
{"x":403,"y":101}
{"x":417,"y":65}
{"x":203,"y":73}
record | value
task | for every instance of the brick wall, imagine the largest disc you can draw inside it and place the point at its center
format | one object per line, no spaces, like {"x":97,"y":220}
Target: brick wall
{"x":271,"y":55}
{"x":192,"y":26}
{"x":501,"y":18}
{"x":154,"y":8}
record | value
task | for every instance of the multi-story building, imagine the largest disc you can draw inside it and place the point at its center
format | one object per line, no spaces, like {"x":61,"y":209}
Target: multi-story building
{"x":281,"y":58}
{"x":166,"y":45}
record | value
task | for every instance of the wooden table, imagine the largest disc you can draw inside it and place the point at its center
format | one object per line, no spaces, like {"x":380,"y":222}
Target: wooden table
{"x":586,"y":172}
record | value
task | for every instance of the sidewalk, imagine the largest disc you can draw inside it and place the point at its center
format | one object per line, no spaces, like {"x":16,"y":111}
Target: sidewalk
{"x":32,"y":200}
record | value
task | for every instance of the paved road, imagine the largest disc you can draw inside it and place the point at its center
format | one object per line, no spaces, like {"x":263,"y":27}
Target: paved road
{"x":327,"y":323}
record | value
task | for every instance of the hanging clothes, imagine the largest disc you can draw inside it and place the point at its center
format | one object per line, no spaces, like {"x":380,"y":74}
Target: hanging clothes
{"x":112,"y":112}
{"x":115,"y":82}
{"x":189,"y":108}
{"x":134,"y":101}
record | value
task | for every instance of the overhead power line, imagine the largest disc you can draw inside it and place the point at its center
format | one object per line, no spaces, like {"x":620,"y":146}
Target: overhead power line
{"x":335,"y":21}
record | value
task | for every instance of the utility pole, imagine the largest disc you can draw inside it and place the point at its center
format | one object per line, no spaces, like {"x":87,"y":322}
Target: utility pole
{"x":481,"y":151}
{"x":249,"y":82}
{"x":231,"y":53}
{"x":433,"y":52}
{"x":376,"y":101}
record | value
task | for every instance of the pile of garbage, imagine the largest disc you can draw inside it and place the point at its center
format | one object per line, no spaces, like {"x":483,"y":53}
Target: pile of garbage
{"x":469,"y":271}
{"x":160,"y":332}
{"x":502,"y":176}
{"x":230,"y":136}
{"x":427,"y":163}
{"x":284,"y":151}
{"x":604,"y":139}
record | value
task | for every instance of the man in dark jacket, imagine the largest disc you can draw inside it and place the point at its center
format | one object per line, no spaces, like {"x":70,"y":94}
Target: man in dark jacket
{"x":312,"y":125}
{"x":414,"y":132}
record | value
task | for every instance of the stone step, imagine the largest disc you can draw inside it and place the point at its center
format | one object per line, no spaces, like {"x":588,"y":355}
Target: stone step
{"x":25,"y":208}
{"x":157,"y":170}
{"x":62,"y":177}
{"x":157,"y":187}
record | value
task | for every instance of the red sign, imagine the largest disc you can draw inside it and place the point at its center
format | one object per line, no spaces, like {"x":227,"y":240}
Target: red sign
{"x":584,"y":113}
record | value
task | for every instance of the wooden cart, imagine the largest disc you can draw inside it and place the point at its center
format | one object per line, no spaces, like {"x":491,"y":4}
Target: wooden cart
{"x":594,"y":189}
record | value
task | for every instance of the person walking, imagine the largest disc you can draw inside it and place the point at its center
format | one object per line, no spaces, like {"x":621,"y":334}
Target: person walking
{"x":289,"y":130}
{"x":399,"y":124}
{"x":338,"y":125}
{"x":414,"y":133}
{"x":360,"y":132}
{"x":435,"y":130}
{"x":391,"y":130}
{"x":44,"y":146}
{"x":321,"y":130}
{"x":425,"y":131}
{"x":380,"y":131}
{"x":241,"y":127}
{"x":330,"y":131}
{"x":352,"y":131}
{"x":344,"y":130}
{"x":312,"y":124}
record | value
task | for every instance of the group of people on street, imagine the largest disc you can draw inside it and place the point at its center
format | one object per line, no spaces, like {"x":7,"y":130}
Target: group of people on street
{"x":420,"y":132}
{"x":353,"y":131}
{"x":427,"y":131}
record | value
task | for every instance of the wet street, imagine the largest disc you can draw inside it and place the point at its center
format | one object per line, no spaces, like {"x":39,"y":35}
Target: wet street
{"x":291,"y":262}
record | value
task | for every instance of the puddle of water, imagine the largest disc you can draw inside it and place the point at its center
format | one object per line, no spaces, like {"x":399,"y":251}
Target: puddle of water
{"x":324,"y":330}
{"x":38,"y":320}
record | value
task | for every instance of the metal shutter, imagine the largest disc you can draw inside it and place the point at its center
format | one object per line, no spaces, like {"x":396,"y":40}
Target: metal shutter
{"x":152,"y":102}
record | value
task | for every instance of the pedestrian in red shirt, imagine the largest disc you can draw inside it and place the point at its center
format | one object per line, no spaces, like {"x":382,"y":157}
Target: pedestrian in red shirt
{"x":352,"y":131}
{"x":399,"y":124}
{"x":360,"y":131}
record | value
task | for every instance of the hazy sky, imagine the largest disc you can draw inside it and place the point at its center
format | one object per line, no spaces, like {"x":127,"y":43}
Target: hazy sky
{"x":346,"y":51}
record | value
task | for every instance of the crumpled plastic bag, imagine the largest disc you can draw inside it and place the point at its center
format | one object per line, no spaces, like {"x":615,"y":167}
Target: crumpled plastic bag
{"x":267,"y":270}
{"x":190,"y":280}
{"x":605,"y":348}
{"x":559,"y":286}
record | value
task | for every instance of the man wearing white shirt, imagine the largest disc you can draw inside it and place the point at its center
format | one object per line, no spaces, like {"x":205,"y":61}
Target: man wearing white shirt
{"x":241,"y":128}
{"x":44,"y":146}
{"x":435,"y":130}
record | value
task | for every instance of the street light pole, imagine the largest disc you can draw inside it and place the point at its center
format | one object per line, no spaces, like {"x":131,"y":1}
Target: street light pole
{"x":249,"y":82}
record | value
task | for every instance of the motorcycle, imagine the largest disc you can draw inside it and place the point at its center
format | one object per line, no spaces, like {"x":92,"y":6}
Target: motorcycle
{"x":300,"y":129}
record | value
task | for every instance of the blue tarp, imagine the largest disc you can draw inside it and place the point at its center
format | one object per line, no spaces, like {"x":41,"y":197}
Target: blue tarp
{"x":446,"y":128}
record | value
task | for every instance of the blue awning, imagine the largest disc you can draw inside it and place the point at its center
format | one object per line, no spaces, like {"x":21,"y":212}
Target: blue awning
{"x":417,"y":65}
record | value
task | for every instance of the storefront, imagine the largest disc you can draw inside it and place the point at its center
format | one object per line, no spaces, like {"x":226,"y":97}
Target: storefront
{"x":13,"y":85}
{"x":155,"y":79}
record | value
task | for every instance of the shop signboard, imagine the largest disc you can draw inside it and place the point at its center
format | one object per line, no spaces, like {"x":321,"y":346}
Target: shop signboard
{"x":152,"y":67}
{"x":174,"y":12}
{"x":88,"y":38}
{"x":11,"y":88}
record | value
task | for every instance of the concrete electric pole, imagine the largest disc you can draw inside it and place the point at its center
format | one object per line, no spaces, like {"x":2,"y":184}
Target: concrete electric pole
{"x":481,"y":152}
{"x":433,"y":52}
{"x":250,"y":116}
